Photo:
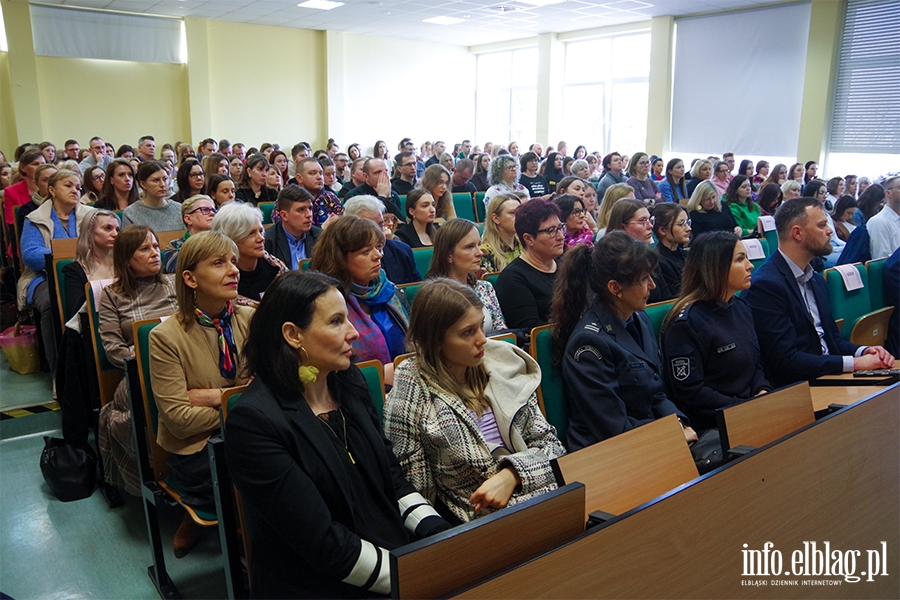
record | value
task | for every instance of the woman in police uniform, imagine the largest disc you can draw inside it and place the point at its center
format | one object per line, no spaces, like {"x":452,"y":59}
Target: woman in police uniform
{"x":711,"y":354}
{"x":606,"y":345}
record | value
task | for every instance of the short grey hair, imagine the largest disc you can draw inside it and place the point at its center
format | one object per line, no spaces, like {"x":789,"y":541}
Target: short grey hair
{"x":498,"y":165}
{"x":362,"y":204}
{"x":237,"y":220}
{"x":579,"y":164}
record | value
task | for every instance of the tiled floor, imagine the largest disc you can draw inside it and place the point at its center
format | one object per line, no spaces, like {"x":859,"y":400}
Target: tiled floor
{"x":23,"y":390}
{"x":83,"y":549}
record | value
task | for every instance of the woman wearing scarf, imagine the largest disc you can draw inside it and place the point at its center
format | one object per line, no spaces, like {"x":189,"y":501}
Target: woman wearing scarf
{"x":350,"y":250}
{"x":193,"y":357}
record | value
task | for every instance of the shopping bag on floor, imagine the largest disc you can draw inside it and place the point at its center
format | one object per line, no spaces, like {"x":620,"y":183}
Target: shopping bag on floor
{"x":70,"y":470}
{"x":20,"y":346}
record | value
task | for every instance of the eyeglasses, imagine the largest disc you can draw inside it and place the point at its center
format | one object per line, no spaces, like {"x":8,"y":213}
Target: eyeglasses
{"x":721,"y":170}
{"x":511,"y":168}
{"x":98,"y":177}
{"x":651,"y":220}
{"x":683,"y":223}
{"x":412,"y":164}
{"x":552,"y":231}
{"x":204,"y":210}
{"x":577,"y":211}
{"x":196,"y":175}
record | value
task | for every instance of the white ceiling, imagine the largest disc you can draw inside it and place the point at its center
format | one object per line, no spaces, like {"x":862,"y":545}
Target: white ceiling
{"x":484,"y":21}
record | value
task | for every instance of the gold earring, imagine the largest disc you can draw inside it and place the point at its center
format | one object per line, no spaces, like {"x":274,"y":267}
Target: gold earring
{"x":306,"y":373}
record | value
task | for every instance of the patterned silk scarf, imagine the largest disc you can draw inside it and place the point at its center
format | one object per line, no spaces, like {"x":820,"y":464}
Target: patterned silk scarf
{"x":227,"y":347}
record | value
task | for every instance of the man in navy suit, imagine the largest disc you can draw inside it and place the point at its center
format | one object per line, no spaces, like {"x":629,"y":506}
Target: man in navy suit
{"x":397,"y":261}
{"x":791,"y":312}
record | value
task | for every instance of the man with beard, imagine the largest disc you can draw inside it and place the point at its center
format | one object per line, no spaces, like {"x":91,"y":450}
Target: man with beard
{"x":791,"y":312}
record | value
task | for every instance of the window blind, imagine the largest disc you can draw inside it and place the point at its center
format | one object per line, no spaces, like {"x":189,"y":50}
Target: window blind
{"x":867,"y":96}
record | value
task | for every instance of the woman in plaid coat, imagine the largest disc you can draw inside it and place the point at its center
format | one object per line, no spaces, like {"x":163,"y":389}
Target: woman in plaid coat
{"x":463,"y":414}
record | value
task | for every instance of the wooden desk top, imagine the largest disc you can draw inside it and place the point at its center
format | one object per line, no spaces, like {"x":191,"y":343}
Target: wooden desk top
{"x":849,"y":379}
{"x":822,"y":396}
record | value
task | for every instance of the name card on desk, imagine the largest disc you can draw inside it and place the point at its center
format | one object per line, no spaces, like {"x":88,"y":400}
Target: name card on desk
{"x":754,"y":249}
{"x":850,"y":275}
{"x":767,"y":223}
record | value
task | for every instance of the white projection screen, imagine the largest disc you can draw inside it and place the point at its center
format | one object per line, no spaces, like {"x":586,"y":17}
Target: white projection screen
{"x":738,"y":81}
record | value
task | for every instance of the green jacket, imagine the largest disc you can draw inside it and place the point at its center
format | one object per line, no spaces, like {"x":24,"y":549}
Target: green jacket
{"x":745,"y":215}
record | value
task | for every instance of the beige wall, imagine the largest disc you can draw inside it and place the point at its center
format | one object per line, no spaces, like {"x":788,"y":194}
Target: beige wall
{"x":400,"y":88}
{"x":7,"y":114}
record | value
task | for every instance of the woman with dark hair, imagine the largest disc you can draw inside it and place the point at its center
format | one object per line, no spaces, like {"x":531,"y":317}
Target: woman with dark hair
{"x":580,"y":153}
{"x":835,"y":187}
{"x":353,"y":151}
{"x":41,"y":194}
{"x":93,"y":177}
{"x":608,"y":351}
{"x":463,"y":416}
{"x":242,"y":223}
{"x":317,"y":477}
{"x":796,"y":172}
{"x":154,"y":209}
{"x":644,"y":187}
{"x":252,"y":185}
{"x":673,"y":232}
{"x":656,"y":169}
{"x":843,"y":216}
{"x":125,"y":151}
{"x":119,"y":188}
{"x":816,"y":189}
{"x":744,"y":210}
{"x":457,"y":255}
{"x":811,"y":168}
{"x":20,"y":192}
{"x":221,"y":189}
{"x":746,"y":169}
{"x":381,"y":151}
{"x":708,"y":338}
{"x":279,"y":160}
{"x":420,"y":230}
{"x":481,"y":177}
{"x":139,"y":292}
{"x":525,"y":286}
{"x":572,"y":214}
{"x":673,"y":188}
{"x":191,"y":180}
{"x":193,"y":357}
{"x":235,"y":167}
{"x":869,"y":203}
{"x":778,"y":175}
{"x":504,"y":178}
{"x":762,"y":172}
{"x":350,"y":250}
{"x":536,"y":184}
{"x":769,"y":199}
{"x":552,"y":169}
{"x":436,"y":180}
{"x":568,"y":161}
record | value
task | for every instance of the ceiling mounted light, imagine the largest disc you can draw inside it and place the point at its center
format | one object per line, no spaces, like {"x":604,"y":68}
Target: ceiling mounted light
{"x":540,"y":2}
{"x":320,"y":4}
{"x":443,"y":20}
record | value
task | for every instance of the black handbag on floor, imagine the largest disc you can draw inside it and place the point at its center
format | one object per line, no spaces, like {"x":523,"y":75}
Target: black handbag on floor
{"x":69,"y":470}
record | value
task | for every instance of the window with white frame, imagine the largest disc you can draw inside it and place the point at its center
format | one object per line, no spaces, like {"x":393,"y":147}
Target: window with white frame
{"x":506,"y":96}
{"x":605,"y":93}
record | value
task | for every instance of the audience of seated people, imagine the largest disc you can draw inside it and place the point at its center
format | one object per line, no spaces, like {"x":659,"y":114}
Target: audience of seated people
{"x":718,"y":349}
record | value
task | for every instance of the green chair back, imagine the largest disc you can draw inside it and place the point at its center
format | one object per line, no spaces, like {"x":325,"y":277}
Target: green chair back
{"x":233,"y":400}
{"x":551,"y":392}
{"x":491,"y":278}
{"x":142,"y":354}
{"x":372,"y":371}
{"x":411,"y":290}
{"x":462,"y":203}
{"x":480,"y":228}
{"x":61,"y":286}
{"x":849,"y":306}
{"x":266,"y":208}
{"x":304,"y":264}
{"x":657,"y":313}
{"x":402,"y":204}
{"x":772,"y":240}
{"x":422,"y":257}
{"x":102,"y":362}
{"x":480,"y":208}
{"x":875,"y":273}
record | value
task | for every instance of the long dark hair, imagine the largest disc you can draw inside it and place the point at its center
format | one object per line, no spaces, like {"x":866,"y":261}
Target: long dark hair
{"x":769,"y":197}
{"x":183,"y":177}
{"x":583,"y":277}
{"x":870,"y":200}
{"x":291,"y":298}
{"x":108,"y":192}
{"x":705,"y":275}
{"x":731,"y":192}
{"x":680,"y":185}
{"x":445,"y":241}
{"x":551,"y":173}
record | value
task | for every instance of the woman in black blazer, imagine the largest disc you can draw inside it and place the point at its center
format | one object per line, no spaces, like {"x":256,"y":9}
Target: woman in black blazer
{"x":324,"y":494}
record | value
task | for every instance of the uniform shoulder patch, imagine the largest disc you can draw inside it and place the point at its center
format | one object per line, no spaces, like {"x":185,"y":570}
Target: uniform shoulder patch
{"x":681,"y":368}
{"x":590,"y":349}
